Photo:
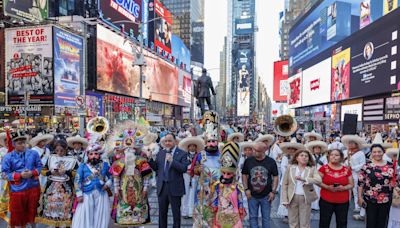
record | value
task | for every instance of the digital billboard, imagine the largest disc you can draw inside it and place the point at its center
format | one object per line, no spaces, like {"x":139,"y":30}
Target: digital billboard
{"x":352,"y":109}
{"x":197,"y":47}
{"x":68,"y":67}
{"x":316,"y":85}
{"x":180,"y":53}
{"x":244,"y":67}
{"x":29,"y":65}
{"x":185,"y":89}
{"x":122,"y":14}
{"x":161,"y":29}
{"x":340,"y":75}
{"x":328,"y":23}
{"x":115,"y":72}
{"x":294,"y":95}
{"x":32,"y":10}
{"x":244,"y":26}
{"x":281,"y":71}
{"x":374,"y":63}
{"x":161,"y":80}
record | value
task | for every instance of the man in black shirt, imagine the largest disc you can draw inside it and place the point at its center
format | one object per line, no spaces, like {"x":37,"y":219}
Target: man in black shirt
{"x":260,"y":181}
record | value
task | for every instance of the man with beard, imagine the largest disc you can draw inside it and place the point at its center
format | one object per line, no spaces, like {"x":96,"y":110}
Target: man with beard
{"x":207,"y":168}
{"x":92,"y":184}
{"x":260,"y":181}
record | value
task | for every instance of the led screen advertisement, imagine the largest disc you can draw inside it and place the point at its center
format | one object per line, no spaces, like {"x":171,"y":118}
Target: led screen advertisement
{"x":374,"y":63}
{"x":340,"y":74}
{"x":280,"y":81}
{"x":161,"y":80}
{"x":180,"y":53}
{"x":294,"y":95}
{"x":185,"y":89}
{"x":160,"y":31}
{"x":115,"y":72}
{"x":328,"y":23}
{"x":316,"y":85}
{"x":68,"y":67}
{"x":32,"y":10}
{"x":29,"y":65}
{"x":197,"y":47}
{"x":244,"y":75}
{"x":244,"y":26}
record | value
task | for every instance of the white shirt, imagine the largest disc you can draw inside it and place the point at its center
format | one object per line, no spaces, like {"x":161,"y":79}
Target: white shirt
{"x":357,"y":161}
{"x":274,"y":152}
{"x":299,"y":184}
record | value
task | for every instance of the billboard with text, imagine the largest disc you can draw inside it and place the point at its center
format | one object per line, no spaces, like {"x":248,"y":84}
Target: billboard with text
{"x":281,"y":70}
{"x":316,"y":84}
{"x":294,"y":95}
{"x":245,"y":73}
{"x":32,"y":10}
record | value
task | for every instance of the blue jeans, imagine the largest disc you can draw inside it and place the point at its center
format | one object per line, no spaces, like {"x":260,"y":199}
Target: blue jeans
{"x":254,"y":205}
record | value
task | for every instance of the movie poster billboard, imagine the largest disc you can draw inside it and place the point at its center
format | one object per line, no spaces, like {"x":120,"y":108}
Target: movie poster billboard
{"x":128,"y":14}
{"x":68,"y":67}
{"x":31,"y":10}
{"x":243,"y":87}
{"x":29,"y":65}
{"x":115,"y":72}
{"x":340,"y":75}
{"x":162,"y":28}
{"x":317,"y":83}
{"x":94,"y":104}
{"x":180,"y":53}
{"x":374,"y":63}
{"x":294,"y":96}
{"x":185,"y":89}
{"x":365,"y":13}
{"x":161,"y":80}
{"x":281,"y":71}
{"x":389,"y":6}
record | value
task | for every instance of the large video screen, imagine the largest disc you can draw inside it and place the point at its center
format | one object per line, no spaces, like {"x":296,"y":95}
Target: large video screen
{"x":281,"y":70}
{"x":330,"y":22}
{"x":294,"y":95}
{"x":316,"y":84}
{"x":244,"y":77}
{"x":115,"y":72}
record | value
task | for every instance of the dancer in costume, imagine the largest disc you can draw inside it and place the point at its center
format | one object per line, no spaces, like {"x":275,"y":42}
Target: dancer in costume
{"x":151,"y":149}
{"x":57,"y":199}
{"x":21,"y":168}
{"x":131,"y":174}
{"x":236,"y":137}
{"x":227,"y":193}
{"x":78,"y":145}
{"x":207,"y":168}
{"x":192,"y":145}
{"x":3,"y":186}
{"x":317,"y":149}
{"x":39,"y":144}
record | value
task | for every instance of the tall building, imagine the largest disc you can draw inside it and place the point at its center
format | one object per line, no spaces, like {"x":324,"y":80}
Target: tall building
{"x":189,"y":24}
{"x":221,"y":92}
{"x":294,"y":9}
{"x":241,"y":82}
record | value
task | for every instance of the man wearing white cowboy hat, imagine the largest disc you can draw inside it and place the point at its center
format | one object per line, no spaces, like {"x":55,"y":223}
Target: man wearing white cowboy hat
{"x":39,"y":144}
{"x":355,"y":159}
{"x":317,"y":149}
{"x":288,"y":150}
{"x":236,"y":137}
{"x":268,"y":140}
{"x":192,"y":145}
{"x":78,"y":145}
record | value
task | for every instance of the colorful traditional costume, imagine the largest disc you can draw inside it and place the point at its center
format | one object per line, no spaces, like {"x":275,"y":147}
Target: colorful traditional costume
{"x":91,"y":182}
{"x":227,"y":194}
{"x":24,"y":192}
{"x":79,"y":154}
{"x":131,"y":174}
{"x":58,"y":196}
{"x":43,"y":152}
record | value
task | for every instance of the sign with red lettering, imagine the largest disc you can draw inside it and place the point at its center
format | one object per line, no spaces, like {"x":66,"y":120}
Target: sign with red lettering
{"x":29,"y":65}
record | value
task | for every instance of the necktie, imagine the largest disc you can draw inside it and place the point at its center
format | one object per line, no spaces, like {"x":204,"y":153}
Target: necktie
{"x":166,"y":168}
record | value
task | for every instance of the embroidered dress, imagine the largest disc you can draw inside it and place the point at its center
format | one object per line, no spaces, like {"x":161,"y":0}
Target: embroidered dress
{"x":44,"y":154}
{"x":131,"y":175}
{"x":227,"y":204}
{"x":203,"y":214}
{"x":58,"y":196}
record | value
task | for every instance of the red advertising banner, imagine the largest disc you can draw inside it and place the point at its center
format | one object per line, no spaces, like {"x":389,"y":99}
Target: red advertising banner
{"x":162,"y":28}
{"x":280,"y":81}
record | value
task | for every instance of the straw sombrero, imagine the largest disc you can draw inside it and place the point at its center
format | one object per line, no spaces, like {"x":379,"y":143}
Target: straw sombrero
{"x":186,"y":142}
{"x":312,"y":134}
{"x":379,"y":140}
{"x":77,"y":139}
{"x":236,"y":134}
{"x":244,"y":145}
{"x":346,"y":139}
{"x":41,"y":137}
{"x":149,"y":139}
{"x":310,"y":146}
{"x":262,"y":138}
{"x":292,"y":144}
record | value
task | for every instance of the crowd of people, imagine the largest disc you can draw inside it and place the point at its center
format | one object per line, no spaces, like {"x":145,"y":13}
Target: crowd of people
{"x":72,"y":181}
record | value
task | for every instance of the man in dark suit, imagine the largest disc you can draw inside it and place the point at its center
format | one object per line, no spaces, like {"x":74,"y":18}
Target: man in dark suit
{"x":170,"y":164}
{"x":204,"y":84}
